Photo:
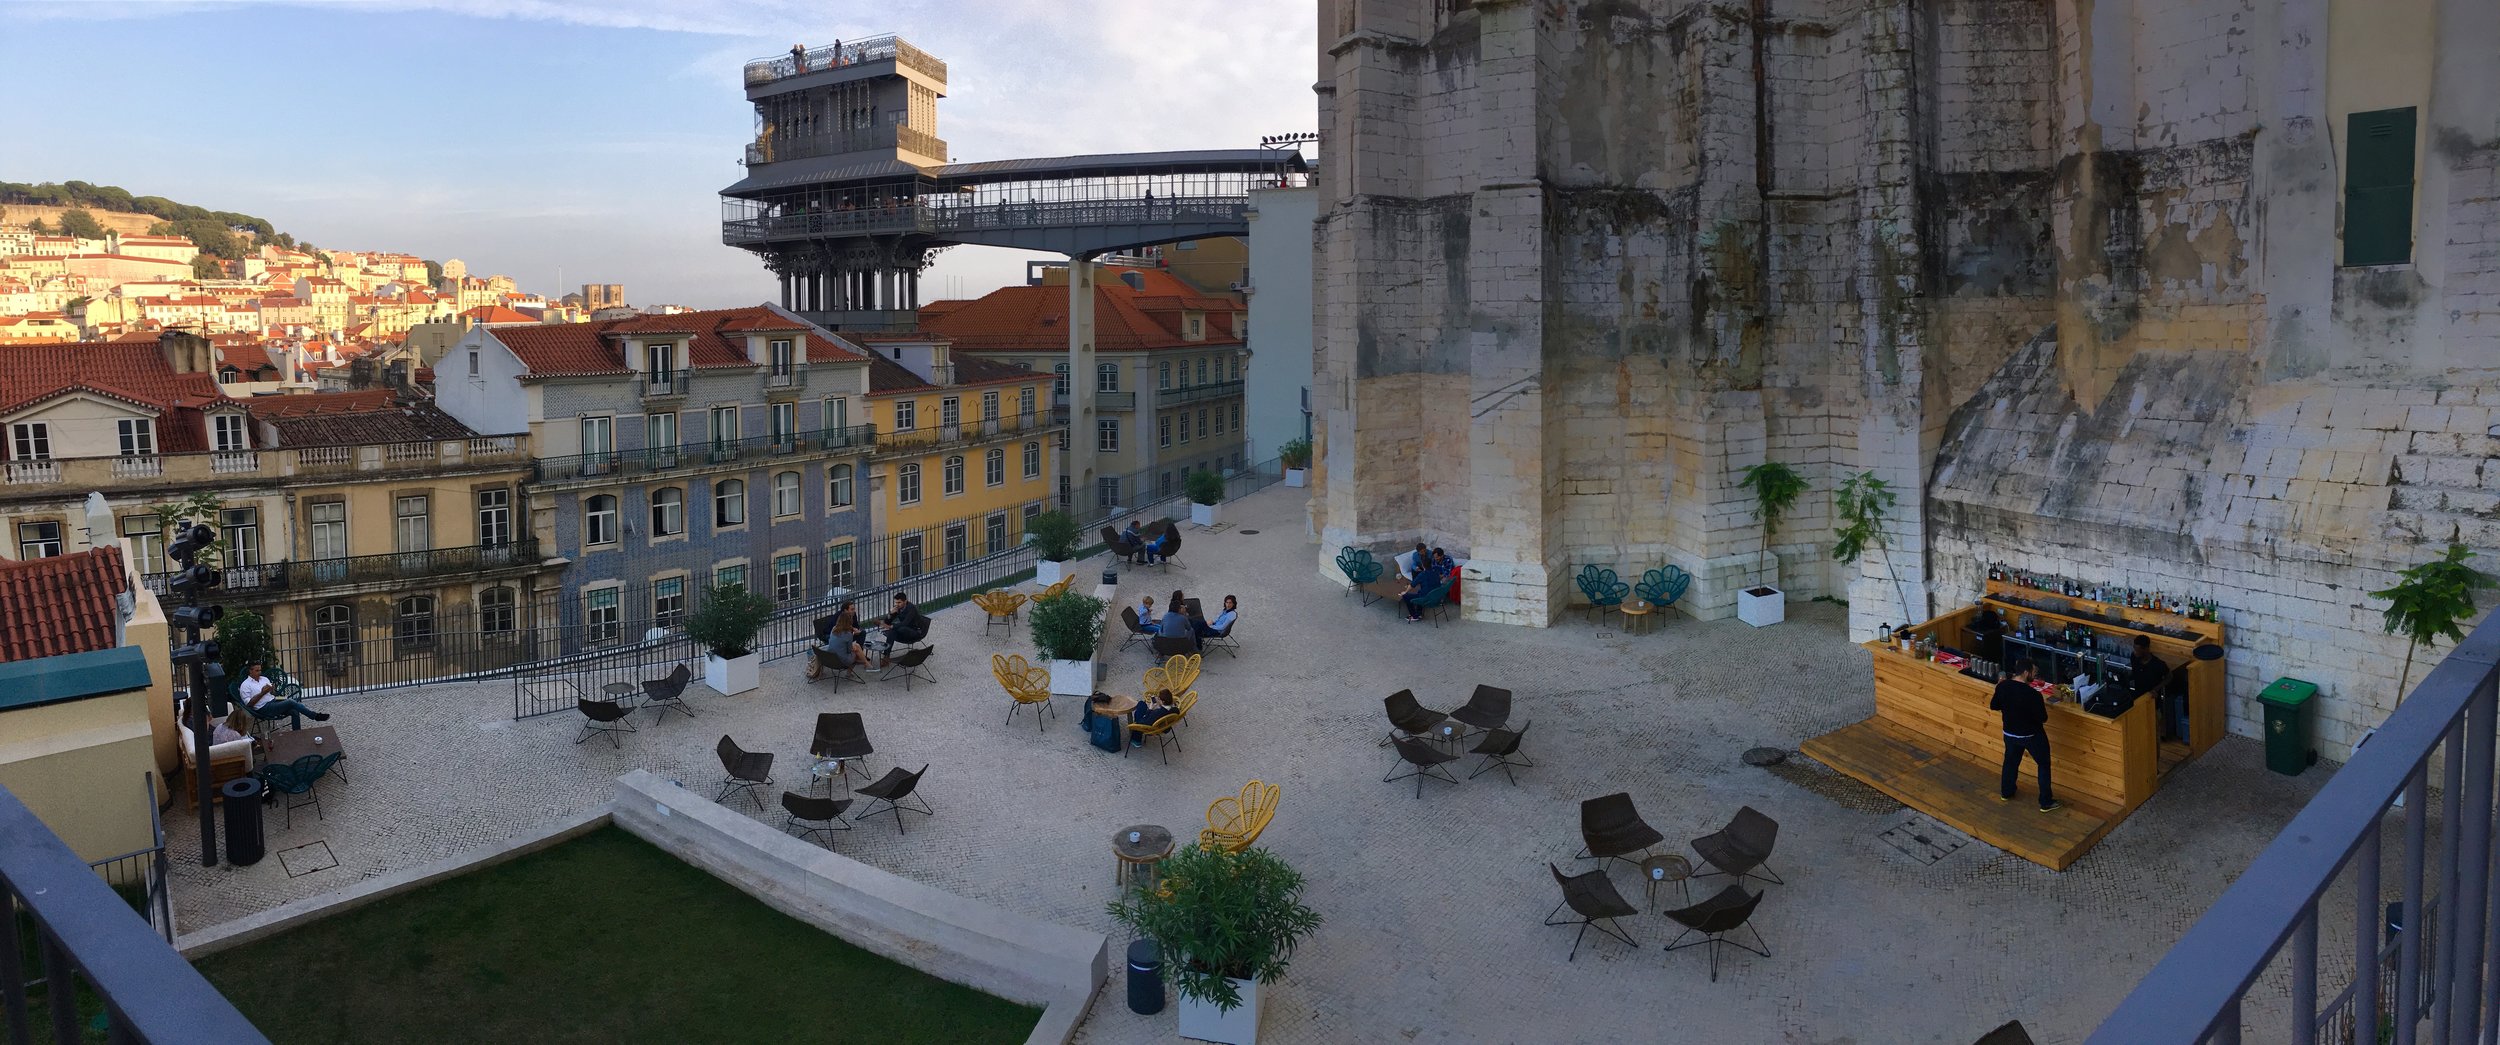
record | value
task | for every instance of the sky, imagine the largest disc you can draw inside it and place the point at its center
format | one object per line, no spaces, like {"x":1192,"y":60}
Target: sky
{"x":576,"y":141}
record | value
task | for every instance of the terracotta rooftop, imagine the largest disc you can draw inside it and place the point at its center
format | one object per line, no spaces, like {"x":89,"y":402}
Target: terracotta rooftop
{"x":577,"y":349}
{"x":64,"y":604}
{"x":132,"y":371}
{"x":1125,"y":316}
{"x":886,"y":375}
{"x":355,"y":419}
{"x":493,"y":314}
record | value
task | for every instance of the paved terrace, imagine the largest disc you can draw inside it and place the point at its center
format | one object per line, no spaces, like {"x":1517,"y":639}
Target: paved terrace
{"x":1432,"y":906}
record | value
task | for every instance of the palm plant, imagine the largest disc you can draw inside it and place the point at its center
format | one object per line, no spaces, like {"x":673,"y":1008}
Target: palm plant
{"x":2432,"y":601}
{"x":1222,"y":916}
{"x":1776,"y":488}
{"x":1861,"y":504}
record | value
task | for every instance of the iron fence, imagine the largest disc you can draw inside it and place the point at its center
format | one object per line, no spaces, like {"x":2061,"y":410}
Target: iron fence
{"x":2445,"y":981}
{"x":619,"y":464}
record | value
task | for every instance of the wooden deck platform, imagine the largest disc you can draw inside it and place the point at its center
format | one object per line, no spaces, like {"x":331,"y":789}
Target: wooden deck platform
{"x":1956,"y":789}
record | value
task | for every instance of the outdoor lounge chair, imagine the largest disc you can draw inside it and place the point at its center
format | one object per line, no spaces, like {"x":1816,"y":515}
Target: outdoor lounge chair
{"x":663,"y":694}
{"x":830,"y":666}
{"x":1178,"y":673}
{"x":1500,"y":747}
{"x":1360,"y":569}
{"x":1136,"y":628}
{"x":891,"y":789}
{"x":1613,"y":830}
{"x":1235,"y":821}
{"x":1171,"y":556}
{"x":1173,"y":645}
{"x":265,"y":719}
{"x":603,"y":716}
{"x":1661,"y":587}
{"x":842,"y":737}
{"x":1742,"y":848}
{"x":1408,"y":717}
{"x":1127,"y":550}
{"x":998,"y":607}
{"x":1161,"y":729}
{"x":1025,"y":683}
{"x":1224,"y":639}
{"x":1591,"y":895}
{"x":1716,"y":918}
{"x":814,"y":816}
{"x":296,"y":779}
{"x":1422,"y":760}
{"x":1487,"y":708}
{"x":1603,"y":589}
{"x":747,"y":770}
{"x":2011,"y":1032}
{"x":908,"y":665}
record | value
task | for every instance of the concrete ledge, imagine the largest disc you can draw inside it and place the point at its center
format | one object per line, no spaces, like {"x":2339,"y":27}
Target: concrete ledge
{"x":314,"y":908}
{"x":961,"y":940}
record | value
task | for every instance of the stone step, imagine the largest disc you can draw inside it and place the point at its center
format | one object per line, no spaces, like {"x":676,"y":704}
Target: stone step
{"x":2438,"y":528}
{"x":2447,"y":499}
{"x":2462,"y":472}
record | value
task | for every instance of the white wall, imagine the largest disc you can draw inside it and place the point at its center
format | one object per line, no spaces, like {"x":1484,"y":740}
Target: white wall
{"x":1280,"y":316}
{"x":493,"y":402}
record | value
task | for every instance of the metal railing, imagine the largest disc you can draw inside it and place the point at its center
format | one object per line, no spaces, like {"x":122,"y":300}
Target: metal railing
{"x":939,"y":217}
{"x":775,"y":148}
{"x":659,"y":384}
{"x":183,"y":469}
{"x":763,"y":71}
{"x":2445,"y":972}
{"x":90,"y":943}
{"x":1198,"y":393}
{"x":141,"y":873}
{"x":967,"y":433}
{"x":653,"y":459}
{"x":312,"y":574}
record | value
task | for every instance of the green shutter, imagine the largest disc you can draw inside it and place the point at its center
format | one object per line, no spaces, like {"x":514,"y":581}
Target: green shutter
{"x":2378,"y":187}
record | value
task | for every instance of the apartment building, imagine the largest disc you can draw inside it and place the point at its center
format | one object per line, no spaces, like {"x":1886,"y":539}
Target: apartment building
{"x":965,"y":453}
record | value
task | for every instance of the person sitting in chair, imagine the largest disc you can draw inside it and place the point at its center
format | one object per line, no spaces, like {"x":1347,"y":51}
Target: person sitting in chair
{"x":1162,"y":546}
{"x":255,"y":689}
{"x":1425,"y":579}
{"x":1176,"y":621}
{"x":1152,"y":710}
{"x":1223,"y":622}
{"x":1146,"y":616}
{"x":1417,"y":562}
{"x":843,"y":642}
{"x":1135,"y":538}
{"x":905,"y":626}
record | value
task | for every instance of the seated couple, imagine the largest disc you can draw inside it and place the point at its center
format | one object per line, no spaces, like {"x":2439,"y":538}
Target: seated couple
{"x":850,"y":646}
{"x":1432,"y":567}
{"x":1150,"y":551}
{"x":1181,"y":617}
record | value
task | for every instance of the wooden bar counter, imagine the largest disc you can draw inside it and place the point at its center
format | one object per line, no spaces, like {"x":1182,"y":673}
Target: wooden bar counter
{"x":1934,"y":745}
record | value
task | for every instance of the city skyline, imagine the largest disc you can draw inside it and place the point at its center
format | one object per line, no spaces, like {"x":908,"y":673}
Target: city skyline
{"x":547,"y":189}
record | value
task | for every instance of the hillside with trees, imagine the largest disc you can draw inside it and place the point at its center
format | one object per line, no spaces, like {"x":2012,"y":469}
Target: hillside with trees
{"x":82,"y":209}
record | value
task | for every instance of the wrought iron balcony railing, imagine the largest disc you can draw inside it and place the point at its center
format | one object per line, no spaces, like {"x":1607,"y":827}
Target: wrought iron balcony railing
{"x":311,"y":574}
{"x":174,"y":470}
{"x":658,"y":384}
{"x":655,"y":459}
{"x":763,"y":71}
{"x":968,"y":433}
{"x":1198,"y":393}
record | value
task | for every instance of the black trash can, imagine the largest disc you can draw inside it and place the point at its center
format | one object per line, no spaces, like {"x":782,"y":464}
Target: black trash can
{"x":244,"y":845}
{"x":1145,"y":978}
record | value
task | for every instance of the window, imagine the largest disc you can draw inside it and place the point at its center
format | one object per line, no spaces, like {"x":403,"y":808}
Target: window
{"x":1024,"y":401}
{"x":837,"y":414}
{"x":781,"y":357}
{"x":240,"y":529}
{"x":334,"y":632}
{"x":989,"y":406}
{"x":994,"y":532}
{"x":729,"y":503}
{"x":413,"y":523}
{"x":599,"y":520}
{"x":907,"y":484}
{"x":38,"y":540}
{"x":906,"y":415}
{"x":668,"y":601}
{"x":789,"y":577}
{"x":31,"y":441}
{"x":604,"y":613}
{"x":497,"y":610}
{"x":994,"y":467}
{"x":950,"y":412}
{"x":907,"y":556}
{"x":663,"y":362}
{"x":1107,"y":377}
{"x":1184,"y":416}
{"x":143,"y":536}
{"x":1163,"y":485}
{"x":598,"y":435}
{"x":413,"y":628}
{"x":784,"y":422}
{"x":1236,"y":368}
{"x":473,"y":369}
{"x":954,"y":474}
{"x":1063,"y":491}
{"x":329,"y":529}
{"x":1163,"y":374}
{"x":734,"y":573}
{"x":838,"y":486}
{"x":1031,"y":511}
{"x":1106,"y":492}
{"x":957,"y":541}
{"x":1032,"y":460}
{"x":138,"y":436}
{"x":724,"y":427}
{"x":2378,"y":187}
{"x":668,"y":512}
{"x":1202,"y":422}
{"x":1219,"y":420}
{"x":1194,"y":326}
{"x":1163,"y":430}
{"x":1236,"y":417}
{"x":1107,"y":435}
{"x":1063,"y":440}
{"x":1202,"y":370}
{"x":494,"y":517}
{"x":786,"y":494}
{"x":659,"y":432}
{"x":839,"y":570}
{"x":1059,"y":379}
{"x":226,"y":432}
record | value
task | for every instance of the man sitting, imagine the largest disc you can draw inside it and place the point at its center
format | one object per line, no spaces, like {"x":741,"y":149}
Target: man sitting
{"x":255,"y":690}
{"x":1135,"y":538}
{"x":1427,"y":577}
{"x":1176,"y":622}
{"x":1152,"y":710}
{"x":905,"y":626}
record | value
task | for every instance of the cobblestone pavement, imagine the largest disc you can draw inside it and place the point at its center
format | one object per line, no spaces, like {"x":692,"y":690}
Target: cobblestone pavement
{"x":1432,"y":905}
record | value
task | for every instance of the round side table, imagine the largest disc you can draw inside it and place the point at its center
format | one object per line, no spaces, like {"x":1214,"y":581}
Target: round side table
{"x":1139,"y":848}
{"x":1635,"y":616}
{"x":1667,"y":868}
{"x":619,"y":692}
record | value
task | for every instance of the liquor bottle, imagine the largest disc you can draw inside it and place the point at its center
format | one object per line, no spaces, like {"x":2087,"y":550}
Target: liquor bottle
{"x":2160,"y":601}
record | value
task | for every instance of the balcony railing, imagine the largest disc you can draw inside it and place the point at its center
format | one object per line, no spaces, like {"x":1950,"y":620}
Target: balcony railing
{"x":309,"y":574}
{"x":788,"y":375}
{"x":968,"y":433}
{"x":649,"y":460}
{"x":774,"y":148}
{"x":938,"y":215}
{"x":763,"y":71}
{"x":86,"y":936}
{"x":2428,"y":979}
{"x":1198,"y":393}
{"x":285,"y":462}
{"x":658,"y":384}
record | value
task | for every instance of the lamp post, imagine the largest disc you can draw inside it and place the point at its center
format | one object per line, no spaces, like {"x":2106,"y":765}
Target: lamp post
{"x":191,"y":539}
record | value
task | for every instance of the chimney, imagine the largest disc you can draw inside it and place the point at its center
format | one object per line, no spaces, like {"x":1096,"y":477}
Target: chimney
{"x":186,"y":352}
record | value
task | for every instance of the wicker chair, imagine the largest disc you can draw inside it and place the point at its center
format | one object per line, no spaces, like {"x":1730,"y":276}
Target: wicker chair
{"x":999,"y":607}
{"x":1613,"y":830}
{"x":1026,"y":684}
{"x":746,"y":770}
{"x":1590,"y":895}
{"x":1178,"y":673}
{"x":1407,"y":717}
{"x":1360,"y":569}
{"x":1603,"y":589}
{"x":814,"y":816}
{"x":1235,"y":821}
{"x":296,"y":779}
{"x":1056,"y":590}
{"x":1662,"y":586}
{"x":1161,"y":729}
{"x":1742,"y":848}
{"x":1716,"y":918}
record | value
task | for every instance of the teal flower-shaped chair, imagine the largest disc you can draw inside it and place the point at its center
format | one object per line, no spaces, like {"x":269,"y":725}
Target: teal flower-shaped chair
{"x":1661,"y":587}
{"x":1604,"y":590}
{"x":1360,"y":569}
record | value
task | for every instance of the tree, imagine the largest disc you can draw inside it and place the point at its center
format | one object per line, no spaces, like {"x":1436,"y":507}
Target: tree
{"x":77,"y":222}
{"x":1863,"y":500}
{"x":207,"y":267}
{"x":36,"y":226}
{"x":1776,"y":488}
{"x":2430,"y":602}
{"x":433,"y":272}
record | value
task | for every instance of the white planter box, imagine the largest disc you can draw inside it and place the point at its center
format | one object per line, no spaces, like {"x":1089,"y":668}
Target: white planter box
{"x":732,"y":677}
{"x":1071,"y":678}
{"x":1761,"y":606}
{"x":1205,"y":1022}
{"x":1048,"y":572}
{"x":1293,"y":477}
{"x":1206,"y":514}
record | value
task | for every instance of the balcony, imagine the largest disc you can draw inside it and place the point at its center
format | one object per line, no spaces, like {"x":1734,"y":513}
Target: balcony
{"x":765,"y":71}
{"x":622,"y":464}
{"x":664,"y":384}
{"x":777,"y":148}
{"x":970,"y":433}
{"x":1198,"y":393}
{"x":785,"y":375}
{"x":395,"y":567}
{"x":308,"y":462}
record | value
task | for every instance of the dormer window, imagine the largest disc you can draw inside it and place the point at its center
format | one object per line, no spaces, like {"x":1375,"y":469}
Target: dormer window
{"x":663,"y":360}
{"x":225,"y":432}
{"x":138,"y":436}
{"x":782,"y":358}
{"x":1194,"y":325}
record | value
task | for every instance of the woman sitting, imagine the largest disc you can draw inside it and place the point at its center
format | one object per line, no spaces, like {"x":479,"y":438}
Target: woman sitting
{"x":843,"y":645}
{"x":1176,"y":621}
{"x":1223,"y":622}
{"x":1153,"y":710}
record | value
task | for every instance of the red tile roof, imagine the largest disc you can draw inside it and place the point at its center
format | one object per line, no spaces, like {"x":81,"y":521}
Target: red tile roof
{"x":61,"y":605}
{"x":135,"y":372}
{"x":246,"y":356}
{"x":886,"y":376}
{"x":355,"y":419}
{"x":579,"y":349}
{"x":498,"y":314}
{"x":1125,"y":317}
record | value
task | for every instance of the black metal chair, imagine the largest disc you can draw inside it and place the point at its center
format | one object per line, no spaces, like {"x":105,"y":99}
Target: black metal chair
{"x":1500,"y":747}
{"x":1224,"y":639}
{"x":747,"y":770}
{"x":1613,"y":830}
{"x":1487,"y":708}
{"x":842,"y":737}
{"x":1173,"y":645}
{"x":1742,"y":848}
{"x":1716,"y":918}
{"x":1126,"y":549}
{"x":2011,"y":1033}
{"x":1408,"y":717}
{"x":1136,"y":628}
{"x":910,"y":664}
{"x":1423,"y":760}
{"x":891,"y":789}
{"x":662,"y":694}
{"x":828,"y":665}
{"x":604,"y":716}
{"x":813,"y":816}
{"x":1591,"y":895}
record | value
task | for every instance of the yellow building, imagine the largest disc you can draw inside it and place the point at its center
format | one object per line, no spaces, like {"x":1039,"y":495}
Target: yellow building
{"x":964,"y":453}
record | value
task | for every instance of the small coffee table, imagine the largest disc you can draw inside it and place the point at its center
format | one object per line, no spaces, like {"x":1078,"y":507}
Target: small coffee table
{"x":1141,"y":855}
{"x":1635,"y":616}
{"x":287,"y":745}
{"x":1667,"y":868}
{"x":620,"y":692}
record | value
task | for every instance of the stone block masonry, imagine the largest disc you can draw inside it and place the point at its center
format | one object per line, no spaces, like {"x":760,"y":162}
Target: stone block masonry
{"x":2064,"y":276}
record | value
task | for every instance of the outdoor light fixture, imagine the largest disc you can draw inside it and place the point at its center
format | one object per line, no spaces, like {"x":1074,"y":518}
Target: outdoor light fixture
{"x":190,"y":539}
{"x":197,"y":616}
{"x":195,"y":580}
{"x":195,"y":653}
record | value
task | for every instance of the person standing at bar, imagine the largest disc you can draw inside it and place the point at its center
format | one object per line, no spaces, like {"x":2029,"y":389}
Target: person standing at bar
{"x":2025,"y":714}
{"x":2148,"y":676}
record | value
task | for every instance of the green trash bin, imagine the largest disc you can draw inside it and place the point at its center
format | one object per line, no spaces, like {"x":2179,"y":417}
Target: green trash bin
{"x":2287,"y":725}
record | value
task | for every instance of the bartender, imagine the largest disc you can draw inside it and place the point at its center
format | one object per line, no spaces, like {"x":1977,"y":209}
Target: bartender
{"x":2147,"y":674}
{"x":2025,"y":715}
{"x":1988,"y":634}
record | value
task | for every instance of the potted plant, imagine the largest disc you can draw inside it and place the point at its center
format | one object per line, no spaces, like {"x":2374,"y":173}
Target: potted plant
{"x":1066,"y":629}
{"x":1226,"y":923}
{"x":1295,"y":456}
{"x":1862,"y":502}
{"x":1206,"y":495}
{"x":1776,"y":488}
{"x":2430,"y":602}
{"x":1053,"y":535}
{"x":726,"y":624}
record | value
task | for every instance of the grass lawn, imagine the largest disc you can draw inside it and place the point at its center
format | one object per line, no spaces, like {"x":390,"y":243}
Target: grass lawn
{"x":602,"y":938}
